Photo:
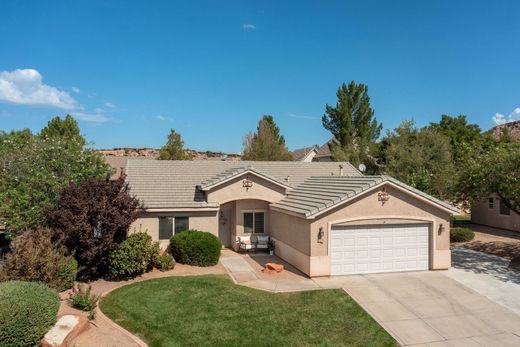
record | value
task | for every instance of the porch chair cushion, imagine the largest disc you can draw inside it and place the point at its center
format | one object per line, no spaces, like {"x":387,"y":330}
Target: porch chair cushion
{"x":244,"y":242}
{"x":262,"y":241}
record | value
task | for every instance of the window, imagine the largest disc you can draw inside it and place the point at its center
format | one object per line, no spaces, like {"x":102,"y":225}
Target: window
{"x":165,"y":228}
{"x":253,"y":222}
{"x":504,"y":210}
{"x":181,"y":224}
{"x":491,"y":202}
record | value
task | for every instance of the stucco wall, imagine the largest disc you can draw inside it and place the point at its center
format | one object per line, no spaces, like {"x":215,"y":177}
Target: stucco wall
{"x":482,"y":214}
{"x":149,"y":222}
{"x":291,"y":230}
{"x":234,"y":190}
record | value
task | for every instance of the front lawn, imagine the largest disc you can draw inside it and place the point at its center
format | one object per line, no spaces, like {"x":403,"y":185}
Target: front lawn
{"x":213,"y":311}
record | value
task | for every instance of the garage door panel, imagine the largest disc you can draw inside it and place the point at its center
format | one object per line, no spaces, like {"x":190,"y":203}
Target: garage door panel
{"x":381,"y":248}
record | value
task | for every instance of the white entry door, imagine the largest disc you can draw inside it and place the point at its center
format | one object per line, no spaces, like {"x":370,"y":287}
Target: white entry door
{"x":379,"y":248}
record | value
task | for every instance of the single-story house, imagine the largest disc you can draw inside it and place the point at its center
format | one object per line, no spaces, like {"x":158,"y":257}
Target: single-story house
{"x":494,"y":213}
{"x":315,"y":153}
{"x":325,"y":218}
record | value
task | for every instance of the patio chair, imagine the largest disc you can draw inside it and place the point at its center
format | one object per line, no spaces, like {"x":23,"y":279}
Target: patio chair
{"x":262,"y":242}
{"x":244,"y":243}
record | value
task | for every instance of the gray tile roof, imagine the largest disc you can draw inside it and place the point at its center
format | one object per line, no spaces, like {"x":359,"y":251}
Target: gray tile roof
{"x":300,"y":153}
{"x":236,"y":171}
{"x":173,"y":184}
{"x":317,"y":194}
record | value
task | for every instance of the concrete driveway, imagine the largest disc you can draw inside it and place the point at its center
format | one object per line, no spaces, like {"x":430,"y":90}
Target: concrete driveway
{"x":431,"y":309}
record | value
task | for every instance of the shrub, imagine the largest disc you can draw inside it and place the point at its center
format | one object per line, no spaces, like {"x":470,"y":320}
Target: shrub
{"x":164,"y":262}
{"x":35,"y":258}
{"x":461,"y":235}
{"x":133,"y":256}
{"x":195,"y":247}
{"x":27,"y":311}
{"x":82,"y":298}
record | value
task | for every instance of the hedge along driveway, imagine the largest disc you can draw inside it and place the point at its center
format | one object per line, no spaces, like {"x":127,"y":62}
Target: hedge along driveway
{"x":212,"y":311}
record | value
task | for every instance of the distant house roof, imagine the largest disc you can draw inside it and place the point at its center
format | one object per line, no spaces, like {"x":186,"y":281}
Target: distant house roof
{"x":301,"y":153}
{"x":118,"y":163}
{"x":178,"y":184}
{"x":318,"y":194}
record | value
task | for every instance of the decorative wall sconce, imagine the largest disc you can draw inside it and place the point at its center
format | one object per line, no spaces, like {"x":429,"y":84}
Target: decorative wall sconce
{"x":320,"y":235}
{"x":247,"y":183}
{"x":441,"y":229}
{"x":383,"y":196}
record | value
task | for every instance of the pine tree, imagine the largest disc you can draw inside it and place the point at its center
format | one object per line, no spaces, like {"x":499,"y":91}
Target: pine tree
{"x":174,"y":148}
{"x":267,"y":143}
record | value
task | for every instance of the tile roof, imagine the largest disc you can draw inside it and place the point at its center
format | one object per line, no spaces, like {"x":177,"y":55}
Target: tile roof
{"x":173,"y":184}
{"x":300,"y":153}
{"x":237,"y":171}
{"x":317,"y":194}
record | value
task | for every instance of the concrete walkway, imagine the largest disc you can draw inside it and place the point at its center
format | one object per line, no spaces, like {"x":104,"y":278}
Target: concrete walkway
{"x":488,"y":275}
{"x":430,"y":309}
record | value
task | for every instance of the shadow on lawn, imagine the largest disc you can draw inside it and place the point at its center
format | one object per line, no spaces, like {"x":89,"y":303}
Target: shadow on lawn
{"x":481,"y":263}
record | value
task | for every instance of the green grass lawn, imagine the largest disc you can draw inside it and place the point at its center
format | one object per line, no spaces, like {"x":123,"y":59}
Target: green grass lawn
{"x":213,"y":311}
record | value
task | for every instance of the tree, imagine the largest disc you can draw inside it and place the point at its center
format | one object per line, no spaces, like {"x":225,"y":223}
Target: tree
{"x":460,"y":134}
{"x":493,"y":170}
{"x":174,"y":148}
{"x":91,"y":218}
{"x":353,"y":126}
{"x":420,"y":158}
{"x":33,"y":169}
{"x":266,"y":144}
{"x":66,"y":129}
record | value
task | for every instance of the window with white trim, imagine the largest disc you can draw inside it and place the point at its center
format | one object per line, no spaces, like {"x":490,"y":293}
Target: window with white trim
{"x":254,"y":222}
{"x":172,"y":225}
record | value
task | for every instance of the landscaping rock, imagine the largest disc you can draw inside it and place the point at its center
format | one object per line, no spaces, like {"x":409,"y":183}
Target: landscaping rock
{"x":66,"y":328}
{"x":272,"y":267}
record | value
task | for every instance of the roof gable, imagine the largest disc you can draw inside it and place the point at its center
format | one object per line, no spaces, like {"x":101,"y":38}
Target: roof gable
{"x":230,"y":174}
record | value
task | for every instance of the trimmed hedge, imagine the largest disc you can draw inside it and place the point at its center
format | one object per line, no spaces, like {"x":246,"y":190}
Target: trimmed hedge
{"x":195,"y":247}
{"x":461,"y":235}
{"x":133,"y":256}
{"x":27,"y":311}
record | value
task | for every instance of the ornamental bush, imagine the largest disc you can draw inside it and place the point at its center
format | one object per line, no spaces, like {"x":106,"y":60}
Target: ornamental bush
{"x":461,"y":235}
{"x":35,"y":258}
{"x":27,"y":311}
{"x":133,"y":256}
{"x":195,"y":247}
{"x":164,"y":262}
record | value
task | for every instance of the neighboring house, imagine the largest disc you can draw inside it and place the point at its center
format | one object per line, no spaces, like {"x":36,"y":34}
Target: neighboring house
{"x":314,"y":153}
{"x":305,"y":154}
{"x":325,"y":218}
{"x":118,"y":164}
{"x":494,"y":213}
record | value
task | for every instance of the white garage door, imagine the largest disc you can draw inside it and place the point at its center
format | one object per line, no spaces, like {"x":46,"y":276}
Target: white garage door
{"x":379,"y":248}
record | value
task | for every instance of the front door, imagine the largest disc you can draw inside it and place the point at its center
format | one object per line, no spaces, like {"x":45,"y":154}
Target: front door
{"x":224,"y":227}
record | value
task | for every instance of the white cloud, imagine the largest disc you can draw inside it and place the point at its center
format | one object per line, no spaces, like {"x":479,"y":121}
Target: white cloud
{"x":248,"y":26}
{"x":110,"y":105}
{"x":25,"y":87}
{"x":163,"y":118}
{"x":500,"y":119}
{"x":292,"y":115}
{"x":89,"y":117}
{"x":76,"y":90}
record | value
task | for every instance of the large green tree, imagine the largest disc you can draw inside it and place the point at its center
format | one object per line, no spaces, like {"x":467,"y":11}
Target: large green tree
{"x":65,"y":129}
{"x":419,"y":157}
{"x":460,"y":132}
{"x":267,"y":143}
{"x":494,"y":169}
{"x":33,"y":170}
{"x":174,"y":148}
{"x":353,"y":126}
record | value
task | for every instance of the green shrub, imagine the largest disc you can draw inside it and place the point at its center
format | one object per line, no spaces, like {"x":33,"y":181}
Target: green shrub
{"x":82,"y":298}
{"x":133,"y":256}
{"x":34,"y":258}
{"x":195,"y":247}
{"x":164,"y":262}
{"x":461,"y":235}
{"x":27,"y":311}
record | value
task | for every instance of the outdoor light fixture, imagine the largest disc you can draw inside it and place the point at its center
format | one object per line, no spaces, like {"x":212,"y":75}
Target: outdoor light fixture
{"x":247,"y":183}
{"x":320,"y":235}
{"x":441,"y":229}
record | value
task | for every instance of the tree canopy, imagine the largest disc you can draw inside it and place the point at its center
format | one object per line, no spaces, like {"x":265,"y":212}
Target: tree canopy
{"x":353,"y":126}
{"x":267,"y":143}
{"x":33,"y":169}
{"x":419,"y":157}
{"x":174,"y":148}
{"x":65,"y":129}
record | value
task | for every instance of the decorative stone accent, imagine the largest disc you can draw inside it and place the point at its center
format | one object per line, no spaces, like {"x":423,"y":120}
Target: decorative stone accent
{"x":66,"y":328}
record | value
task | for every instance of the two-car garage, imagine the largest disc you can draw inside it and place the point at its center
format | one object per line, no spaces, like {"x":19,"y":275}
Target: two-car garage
{"x":379,"y":248}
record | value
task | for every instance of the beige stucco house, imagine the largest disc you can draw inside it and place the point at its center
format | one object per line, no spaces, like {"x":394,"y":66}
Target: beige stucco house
{"x":494,"y":213}
{"x":325,"y":218}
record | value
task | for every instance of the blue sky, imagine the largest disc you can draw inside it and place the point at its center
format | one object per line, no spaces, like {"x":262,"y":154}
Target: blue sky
{"x":131,"y":70}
